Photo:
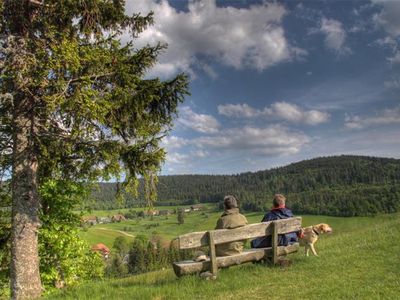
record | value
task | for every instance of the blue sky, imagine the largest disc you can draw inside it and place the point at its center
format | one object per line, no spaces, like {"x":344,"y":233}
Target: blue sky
{"x":277,"y":82}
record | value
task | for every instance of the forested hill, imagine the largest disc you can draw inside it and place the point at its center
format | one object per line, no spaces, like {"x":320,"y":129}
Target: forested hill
{"x":339,"y":185}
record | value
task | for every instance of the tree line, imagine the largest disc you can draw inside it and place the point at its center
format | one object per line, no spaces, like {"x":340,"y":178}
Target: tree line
{"x":338,"y":185}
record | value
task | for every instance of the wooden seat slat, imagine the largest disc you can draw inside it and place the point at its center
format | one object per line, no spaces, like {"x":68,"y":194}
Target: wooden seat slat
{"x":190,"y":267}
{"x":199,"y":239}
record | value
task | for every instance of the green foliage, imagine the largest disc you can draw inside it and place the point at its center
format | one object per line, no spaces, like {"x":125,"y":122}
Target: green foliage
{"x":5,"y":232}
{"x":148,"y":255}
{"x":137,"y":255}
{"x":121,"y":246}
{"x":131,"y":214}
{"x":181,"y":216}
{"x":116,"y":267}
{"x":65,"y":259}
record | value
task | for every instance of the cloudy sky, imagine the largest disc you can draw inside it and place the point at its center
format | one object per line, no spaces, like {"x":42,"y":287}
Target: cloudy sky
{"x":278,"y":82}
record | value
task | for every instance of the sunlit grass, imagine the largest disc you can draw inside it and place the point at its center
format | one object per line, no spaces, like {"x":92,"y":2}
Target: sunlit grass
{"x":360,"y":260}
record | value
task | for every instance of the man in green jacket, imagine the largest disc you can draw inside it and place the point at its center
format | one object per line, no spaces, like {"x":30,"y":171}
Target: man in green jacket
{"x":230,"y":219}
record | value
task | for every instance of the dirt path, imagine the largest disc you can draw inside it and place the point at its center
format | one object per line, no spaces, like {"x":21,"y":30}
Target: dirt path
{"x":122,"y":232}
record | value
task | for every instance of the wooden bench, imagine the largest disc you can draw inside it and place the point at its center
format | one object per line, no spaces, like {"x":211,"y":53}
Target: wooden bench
{"x":214,"y":237}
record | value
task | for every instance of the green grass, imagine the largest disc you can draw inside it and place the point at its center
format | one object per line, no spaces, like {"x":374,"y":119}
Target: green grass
{"x":360,"y":260}
{"x":105,"y":213}
{"x":168,"y":227}
{"x":103,"y":235}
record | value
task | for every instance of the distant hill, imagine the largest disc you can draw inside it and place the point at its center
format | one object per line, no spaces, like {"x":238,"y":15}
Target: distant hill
{"x":338,"y":185}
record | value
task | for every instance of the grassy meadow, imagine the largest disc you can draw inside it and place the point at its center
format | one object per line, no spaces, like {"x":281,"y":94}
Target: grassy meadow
{"x":109,"y":213}
{"x":165,"y":226}
{"x":360,"y":260}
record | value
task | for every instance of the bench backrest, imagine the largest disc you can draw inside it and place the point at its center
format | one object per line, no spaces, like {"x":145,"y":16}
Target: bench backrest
{"x":220,"y":236}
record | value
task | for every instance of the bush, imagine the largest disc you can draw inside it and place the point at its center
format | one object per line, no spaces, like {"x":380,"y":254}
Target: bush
{"x":65,"y":259}
{"x":121,"y":246}
{"x":181,"y":216}
{"x":116,"y":267}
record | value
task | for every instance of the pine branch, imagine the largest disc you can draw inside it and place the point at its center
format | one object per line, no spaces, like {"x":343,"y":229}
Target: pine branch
{"x":92,"y":77}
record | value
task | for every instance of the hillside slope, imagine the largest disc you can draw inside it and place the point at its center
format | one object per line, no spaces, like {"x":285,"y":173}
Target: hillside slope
{"x":337,"y":185}
{"x":358,"y":261}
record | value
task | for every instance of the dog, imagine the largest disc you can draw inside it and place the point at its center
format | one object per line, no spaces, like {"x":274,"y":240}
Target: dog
{"x":309,"y":236}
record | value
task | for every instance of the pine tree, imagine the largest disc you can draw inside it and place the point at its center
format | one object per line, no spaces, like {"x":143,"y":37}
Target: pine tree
{"x":74,"y":104}
{"x":121,"y":246}
{"x":150,"y":259}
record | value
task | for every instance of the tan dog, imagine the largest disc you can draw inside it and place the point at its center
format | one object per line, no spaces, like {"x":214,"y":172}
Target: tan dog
{"x":309,"y":236}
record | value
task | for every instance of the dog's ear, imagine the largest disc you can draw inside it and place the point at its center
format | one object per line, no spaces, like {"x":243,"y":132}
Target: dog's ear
{"x":321,"y":228}
{"x":325,"y":228}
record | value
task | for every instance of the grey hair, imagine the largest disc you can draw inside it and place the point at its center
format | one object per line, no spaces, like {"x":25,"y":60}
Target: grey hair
{"x":279,"y":200}
{"x":230,"y":202}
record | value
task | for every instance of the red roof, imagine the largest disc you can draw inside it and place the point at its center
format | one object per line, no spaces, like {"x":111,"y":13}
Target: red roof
{"x":101,"y":248}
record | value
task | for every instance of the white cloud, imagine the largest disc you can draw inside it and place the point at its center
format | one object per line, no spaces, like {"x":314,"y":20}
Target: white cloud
{"x":385,"y":117}
{"x":293,"y":113}
{"x":394,"y":83}
{"x":335,"y":35}
{"x":173,"y":142}
{"x":183,"y":159}
{"x":278,"y":110}
{"x":272,"y":140}
{"x":176,"y":158}
{"x":238,"y":110}
{"x":199,"y":122}
{"x":395,"y":59}
{"x":235,"y":145}
{"x":387,"y":41}
{"x":392,"y":44}
{"x":200,"y":153}
{"x":388,"y":18}
{"x":242,"y":38}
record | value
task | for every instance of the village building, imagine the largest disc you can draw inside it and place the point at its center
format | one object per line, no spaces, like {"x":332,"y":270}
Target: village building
{"x":102,"y":249}
{"x":103,"y":220}
{"x":90,"y":220}
{"x":196,"y":207}
{"x":118,"y":218}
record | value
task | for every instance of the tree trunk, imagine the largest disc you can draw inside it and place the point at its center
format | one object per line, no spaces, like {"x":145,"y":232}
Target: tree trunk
{"x":25,"y":276}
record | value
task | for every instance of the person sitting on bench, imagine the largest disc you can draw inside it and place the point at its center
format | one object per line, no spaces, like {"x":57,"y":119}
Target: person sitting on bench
{"x":230,"y":219}
{"x":279,"y":211}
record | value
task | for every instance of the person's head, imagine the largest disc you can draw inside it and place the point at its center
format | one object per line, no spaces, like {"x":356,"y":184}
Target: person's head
{"x":230,"y":202}
{"x":279,"y":200}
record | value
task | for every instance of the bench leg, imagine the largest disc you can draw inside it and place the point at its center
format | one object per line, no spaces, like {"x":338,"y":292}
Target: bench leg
{"x":213,"y":255}
{"x":274,"y":244}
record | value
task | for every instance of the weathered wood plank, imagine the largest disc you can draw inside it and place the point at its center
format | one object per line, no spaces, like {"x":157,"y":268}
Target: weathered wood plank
{"x":199,"y":239}
{"x":274,"y":244}
{"x":191,"y":267}
{"x":213,"y":255}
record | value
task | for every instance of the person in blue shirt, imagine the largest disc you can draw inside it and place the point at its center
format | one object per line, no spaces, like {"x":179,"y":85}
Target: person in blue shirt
{"x":279,"y":211}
